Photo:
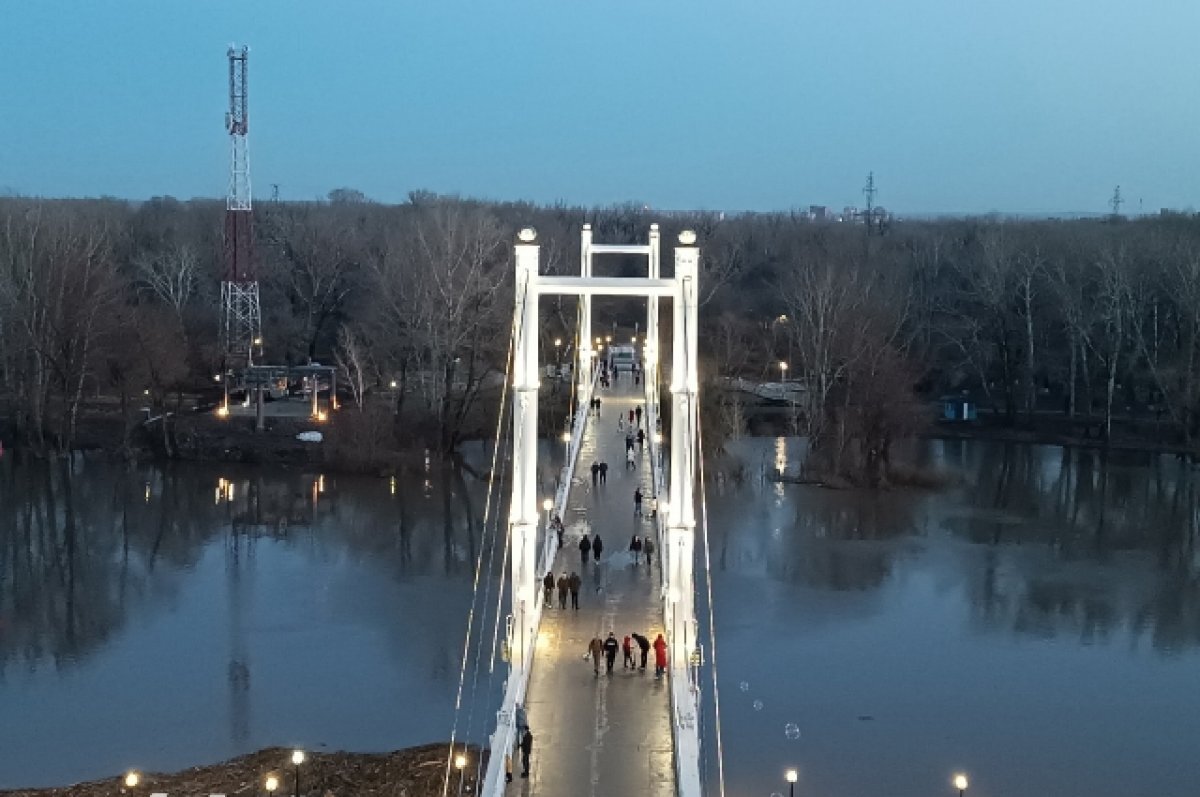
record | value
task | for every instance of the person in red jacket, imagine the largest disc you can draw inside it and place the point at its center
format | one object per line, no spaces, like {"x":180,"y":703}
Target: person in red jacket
{"x":627,"y":647}
{"x":660,"y":656}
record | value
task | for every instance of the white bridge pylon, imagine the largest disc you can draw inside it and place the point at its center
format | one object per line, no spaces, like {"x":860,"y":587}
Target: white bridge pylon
{"x":676,"y":540}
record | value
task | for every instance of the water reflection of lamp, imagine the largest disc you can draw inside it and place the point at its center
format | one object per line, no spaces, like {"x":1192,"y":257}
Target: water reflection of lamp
{"x":960,"y":783}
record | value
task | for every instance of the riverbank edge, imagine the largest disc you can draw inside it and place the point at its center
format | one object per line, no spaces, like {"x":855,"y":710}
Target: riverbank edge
{"x":411,"y":771}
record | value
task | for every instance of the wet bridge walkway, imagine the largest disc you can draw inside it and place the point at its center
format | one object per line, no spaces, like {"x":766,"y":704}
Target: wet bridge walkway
{"x":605,"y":735}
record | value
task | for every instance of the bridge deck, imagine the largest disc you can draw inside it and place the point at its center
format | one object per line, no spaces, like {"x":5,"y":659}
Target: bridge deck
{"x":605,"y":736}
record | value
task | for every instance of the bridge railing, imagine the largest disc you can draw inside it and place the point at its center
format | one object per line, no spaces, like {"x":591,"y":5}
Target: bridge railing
{"x":504,"y":740}
{"x":684,"y":675}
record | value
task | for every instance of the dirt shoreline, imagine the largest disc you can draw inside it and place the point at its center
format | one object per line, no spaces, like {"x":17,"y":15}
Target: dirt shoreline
{"x":410,"y":772}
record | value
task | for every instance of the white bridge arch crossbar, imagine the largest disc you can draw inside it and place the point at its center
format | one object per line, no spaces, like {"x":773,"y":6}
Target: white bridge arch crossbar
{"x":675,"y":541}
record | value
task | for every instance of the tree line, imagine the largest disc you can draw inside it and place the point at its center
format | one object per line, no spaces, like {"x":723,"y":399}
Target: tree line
{"x":108,"y":303}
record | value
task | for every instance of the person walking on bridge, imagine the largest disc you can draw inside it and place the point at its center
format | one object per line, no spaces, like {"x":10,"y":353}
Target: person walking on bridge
{"x":597,"y":547}
{"x":660,"y":656}
{"x":563,"y":585}
{"x":610,"y":652}
{"x":641,"y":438}
{"x":595,"y":650}
{"x":526,"y":751}
{"x":631,"y":417}
{"x":574,"y":583}
{"x":630,"y":459}
{"x":585,"y":548}
{"x":595,"y":471}
{"x":638,"y":411}
{"x":547,"y":588}
{"x":648,"y":549}
{"x":643,"y":645}
{"x":635,"y":547}
{"x":637,"y":510}
{"x":604,"y":473}
{"x":627,"y":649}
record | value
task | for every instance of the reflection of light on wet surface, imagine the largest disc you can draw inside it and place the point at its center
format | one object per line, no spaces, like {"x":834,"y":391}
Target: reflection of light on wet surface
{"x":781,"y":461}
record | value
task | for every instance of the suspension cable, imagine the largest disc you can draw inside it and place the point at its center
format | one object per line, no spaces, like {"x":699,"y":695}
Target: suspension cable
{"x":462,"y":673}
{"x":712,"y":626}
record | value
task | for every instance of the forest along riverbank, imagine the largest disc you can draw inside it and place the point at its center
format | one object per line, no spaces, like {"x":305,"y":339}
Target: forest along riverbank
{"x":414,"y":771}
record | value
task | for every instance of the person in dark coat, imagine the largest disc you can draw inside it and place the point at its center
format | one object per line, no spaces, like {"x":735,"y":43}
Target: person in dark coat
{"x":631,"y":417}
{"x":648,"y":549}
{"x":604,"y":473}
{"x":557,"y":525}
{"x":635,"y":545}
{"x":641,"y":438}
{"x":595,"y":650}
{"x":629,"y":442}
{"x":595,"y":471}
{"x":547,"y":587}
{"x":597,"y":547}
{"x":585,"y":548}
{"x":643,"y":645}
{"x":526,"y":751}
{"x":638,"y":411}
{"x":637,"y":509}
{"x":611,"y":646}
{"x":563,"y":585}
{"x":573,"y":584}
{"x":660,"y":656}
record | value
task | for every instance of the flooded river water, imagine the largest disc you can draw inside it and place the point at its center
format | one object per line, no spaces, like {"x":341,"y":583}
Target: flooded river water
{"x":1037,"y":625}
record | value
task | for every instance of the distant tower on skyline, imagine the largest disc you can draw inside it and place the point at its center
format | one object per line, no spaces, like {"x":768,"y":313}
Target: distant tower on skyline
{"x":869,"y":192}
{"x":1116,"y":201}
{"x":241,"y":317}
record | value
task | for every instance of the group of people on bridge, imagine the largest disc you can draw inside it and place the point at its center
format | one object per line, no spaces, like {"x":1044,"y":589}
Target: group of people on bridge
{"x":608,"y":649}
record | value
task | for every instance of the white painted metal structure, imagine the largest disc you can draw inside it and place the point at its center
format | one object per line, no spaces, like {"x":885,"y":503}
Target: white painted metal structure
{"x":677,"y":560}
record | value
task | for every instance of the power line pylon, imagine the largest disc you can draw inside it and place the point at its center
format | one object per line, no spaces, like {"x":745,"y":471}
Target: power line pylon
{"x":1116,"y":201}
{"x":869,"y":191}
{"x":241,"y":317}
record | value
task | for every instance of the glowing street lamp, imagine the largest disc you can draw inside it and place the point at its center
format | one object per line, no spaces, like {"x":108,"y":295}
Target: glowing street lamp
{"x":132,"y":779}
{"x":961,"y":783}
{"x":460,"y":763}
{"x":297,"y":760}
{"x":792,"y":776}
{"x":783,"y":367}
{"x":548,"y":505}
{"x":271,"y":784}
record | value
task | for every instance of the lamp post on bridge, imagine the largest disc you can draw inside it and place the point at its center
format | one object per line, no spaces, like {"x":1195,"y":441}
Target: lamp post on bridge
{"x":961,"y":783}
{"x":792,"y":776}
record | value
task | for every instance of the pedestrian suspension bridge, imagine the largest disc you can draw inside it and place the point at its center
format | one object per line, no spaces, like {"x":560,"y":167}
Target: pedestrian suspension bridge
{"x":629,"y":732}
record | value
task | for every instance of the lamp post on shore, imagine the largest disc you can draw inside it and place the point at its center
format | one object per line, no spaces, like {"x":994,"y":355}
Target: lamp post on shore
{"x":961,"y":783}
{"x":271,"y":784}
{"x":792,"y":776}
{"x":297,"y":760}
{"x":460,"y":763}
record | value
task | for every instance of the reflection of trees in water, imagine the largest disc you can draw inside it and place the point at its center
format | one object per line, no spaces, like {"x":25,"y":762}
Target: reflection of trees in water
{"x":1066,"y":542}
{"x":1091,"y":516}
{"x":846,"y":541}
{"x":83,"y":545}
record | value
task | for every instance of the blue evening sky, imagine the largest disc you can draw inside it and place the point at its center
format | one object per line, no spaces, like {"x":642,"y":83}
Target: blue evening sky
{"x":957,"y":105}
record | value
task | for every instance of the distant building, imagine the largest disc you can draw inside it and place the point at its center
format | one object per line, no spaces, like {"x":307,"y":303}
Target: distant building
{"x":818,"y":213}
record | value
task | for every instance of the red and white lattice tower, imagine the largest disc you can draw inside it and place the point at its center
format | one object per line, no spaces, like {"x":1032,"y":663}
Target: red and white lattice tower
{"x":241,"y":318}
